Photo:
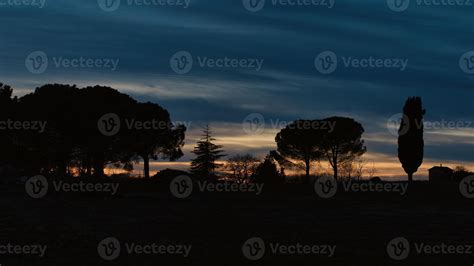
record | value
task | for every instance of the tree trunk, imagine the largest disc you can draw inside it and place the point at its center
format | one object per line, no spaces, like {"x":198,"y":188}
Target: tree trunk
{"x":62,"y":169}
{"x":89,"y":169}
{"x":98,"y":165}
{"x":146,"y":166}
{"x":335,"y":160}
{"x":88,"y":165}
{"x":307,"y":162}
{"x":99,"y":170}
{"x":410,"y":177}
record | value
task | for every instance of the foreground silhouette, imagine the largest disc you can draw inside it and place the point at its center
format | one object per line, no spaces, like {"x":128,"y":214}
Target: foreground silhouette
{"x":410,"y":139}
{"x":85,"y":130}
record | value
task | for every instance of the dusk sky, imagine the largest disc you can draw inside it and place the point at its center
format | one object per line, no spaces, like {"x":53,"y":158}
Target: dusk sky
{"x":286,"y":40}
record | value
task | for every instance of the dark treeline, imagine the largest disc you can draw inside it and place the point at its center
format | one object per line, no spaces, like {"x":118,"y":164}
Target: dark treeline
{"x":71,"y":137}
{"x":62,"y":130}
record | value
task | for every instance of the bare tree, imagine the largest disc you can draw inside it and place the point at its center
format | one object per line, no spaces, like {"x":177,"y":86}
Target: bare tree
{"x":353,"y":169}
{"x":371,"y":171}
{"x":242,"y":167}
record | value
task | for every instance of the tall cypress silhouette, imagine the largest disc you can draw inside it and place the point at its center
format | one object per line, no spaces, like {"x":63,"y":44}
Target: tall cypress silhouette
{"x":410,"y":136}
{"x":204,"y":165}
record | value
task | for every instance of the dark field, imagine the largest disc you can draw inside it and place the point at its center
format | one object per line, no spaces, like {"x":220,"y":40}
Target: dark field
{"x":217,"y":224}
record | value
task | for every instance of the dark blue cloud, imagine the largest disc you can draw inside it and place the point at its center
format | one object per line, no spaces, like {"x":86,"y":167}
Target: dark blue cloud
{"x":287,"y":38}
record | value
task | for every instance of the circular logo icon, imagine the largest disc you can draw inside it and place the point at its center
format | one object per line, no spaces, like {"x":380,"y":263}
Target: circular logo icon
{"x":181,"y":187}
{"x":254,"y":124}
{"x":109,"y":124}
{"x":253,"y":5}
{"x":466,"y":187}
{"x":326,"y":62}
{"x":398,"y":248}
{"x":181,"y":62}
{"x":36,"y":186}
{"x":466,"y":62}
{"x":398,"y":5}
{"x":398,"y":124}
{"x":109,"y":5}
{"x":109,"y":248}
{"x":325,"y":187}
{"x":254,"y":248}
{"x":37,"y":62}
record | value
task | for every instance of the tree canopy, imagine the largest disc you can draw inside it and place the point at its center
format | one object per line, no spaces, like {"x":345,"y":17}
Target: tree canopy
{"x":336,"y":139}
{"x":72,"y":137}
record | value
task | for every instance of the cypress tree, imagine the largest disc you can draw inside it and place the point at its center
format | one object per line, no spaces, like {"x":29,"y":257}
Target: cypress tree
{"x":410,"y":136}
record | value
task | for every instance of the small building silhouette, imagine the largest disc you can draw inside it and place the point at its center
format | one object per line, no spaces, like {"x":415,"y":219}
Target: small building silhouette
{"x":440,"y":173}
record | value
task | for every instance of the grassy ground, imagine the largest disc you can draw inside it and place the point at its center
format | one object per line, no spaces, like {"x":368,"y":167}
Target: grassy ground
{"x":217,"y":224}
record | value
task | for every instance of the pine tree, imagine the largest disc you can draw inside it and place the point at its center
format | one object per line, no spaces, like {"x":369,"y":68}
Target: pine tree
{"x":207,"y":153}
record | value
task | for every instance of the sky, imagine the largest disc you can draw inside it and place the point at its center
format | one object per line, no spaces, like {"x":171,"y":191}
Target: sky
{"x":264,"y":61}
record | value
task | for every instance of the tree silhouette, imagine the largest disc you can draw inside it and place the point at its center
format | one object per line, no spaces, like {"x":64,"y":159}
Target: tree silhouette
{"x":343,"y":143}
{"x":50,"y":151}
{"x":204,"y":165}
{"x":8,"y":140}
{"x":159,"y":138}
{"x":242,"y":166}
{"x":6,"y":93}
{"x":98,"y":150}
{"x":72,"y":137}
{"x":282,"y":161}
{"x":267,"y":173}
{"x":460,"y":172}
{"x":298,"y":141}
{"x":410,"y":136}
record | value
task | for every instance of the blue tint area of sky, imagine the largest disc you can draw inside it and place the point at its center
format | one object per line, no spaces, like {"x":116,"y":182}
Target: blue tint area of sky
{"x":286,"y":38}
